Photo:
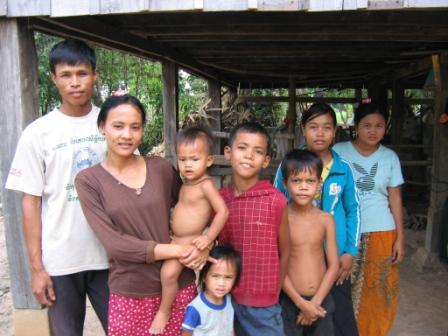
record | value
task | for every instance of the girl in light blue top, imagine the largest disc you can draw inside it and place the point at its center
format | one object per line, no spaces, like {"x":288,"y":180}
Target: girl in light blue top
{"x":378,"y":178}
{"x":338,"y":197}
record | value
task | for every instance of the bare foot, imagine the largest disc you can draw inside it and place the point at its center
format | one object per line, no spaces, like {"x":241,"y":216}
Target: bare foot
{"x":159,"y":323}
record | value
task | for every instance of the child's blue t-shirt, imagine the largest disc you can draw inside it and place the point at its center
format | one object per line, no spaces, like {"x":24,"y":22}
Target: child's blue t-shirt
{"x":205,"y":318}
{"x":373,"y":174}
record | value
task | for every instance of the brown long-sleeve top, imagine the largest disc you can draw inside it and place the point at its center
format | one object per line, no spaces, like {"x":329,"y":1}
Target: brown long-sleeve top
{"x":129,"y":224}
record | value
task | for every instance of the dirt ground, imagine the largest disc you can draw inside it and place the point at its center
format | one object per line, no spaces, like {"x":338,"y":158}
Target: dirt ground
{"x":423,"y":308}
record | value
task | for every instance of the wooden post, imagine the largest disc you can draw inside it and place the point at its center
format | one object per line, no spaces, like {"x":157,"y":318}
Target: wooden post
{"x":397,"y":117}
{"x":439,"y":169}
{"x":379,"y":96}
{"x":292,"y":110}
{"x":358,"y":95}
{"x":20,"y":106}
{"x":170,"y":108}
{"x":214,"y":93}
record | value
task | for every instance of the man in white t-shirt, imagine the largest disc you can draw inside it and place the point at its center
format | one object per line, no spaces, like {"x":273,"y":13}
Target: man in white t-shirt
{"x":67,"y":261}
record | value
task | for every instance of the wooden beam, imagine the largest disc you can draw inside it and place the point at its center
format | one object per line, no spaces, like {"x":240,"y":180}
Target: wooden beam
{"x":439,"y":177}
{"x":95,"y":31}
{"x":20,"y":106}
{"x":328,"y":100}
{"x":170,"y":108}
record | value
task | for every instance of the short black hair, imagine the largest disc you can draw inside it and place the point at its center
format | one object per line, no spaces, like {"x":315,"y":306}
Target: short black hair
{"x":114,"y":101}
{"x":364,"y":110}
{"x":250,"y":127}
{"x":299,"y":160}
{"x":72,"y":52}
{"x":190,"y":134}
{"x":316,"y":110}
{"x":227,"y":253}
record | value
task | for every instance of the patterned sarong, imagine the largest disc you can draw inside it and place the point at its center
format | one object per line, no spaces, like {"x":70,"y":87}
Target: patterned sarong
{"x":133,"y":316}
{"x":375,"y":284}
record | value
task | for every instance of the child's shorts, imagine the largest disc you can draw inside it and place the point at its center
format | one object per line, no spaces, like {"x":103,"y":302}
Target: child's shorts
{"x":321,"y":327}
{"x":129,"y":316}
{"x":250,"y":321}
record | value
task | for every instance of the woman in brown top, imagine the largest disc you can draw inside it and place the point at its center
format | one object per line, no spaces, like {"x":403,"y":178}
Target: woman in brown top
{"x":126,"y":200}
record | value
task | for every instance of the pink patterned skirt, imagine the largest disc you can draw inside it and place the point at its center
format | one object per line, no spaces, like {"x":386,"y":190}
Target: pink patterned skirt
{"x":133,"y":316}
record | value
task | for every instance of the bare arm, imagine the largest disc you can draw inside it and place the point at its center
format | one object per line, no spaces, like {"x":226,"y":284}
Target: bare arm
{"x":186,"y":333}
{"x":396,"y":207}
{"x":332,"y":261}
{"x":283,"y":238}
{"x":221,"y":214}
{"x":41,"y":283}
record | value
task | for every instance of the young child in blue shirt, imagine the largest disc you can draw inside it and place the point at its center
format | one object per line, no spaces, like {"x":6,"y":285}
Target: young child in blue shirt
{"x":211,"y":312}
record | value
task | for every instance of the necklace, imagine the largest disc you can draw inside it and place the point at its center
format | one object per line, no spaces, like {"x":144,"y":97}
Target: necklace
{"x":116,"y":175}
{"x":138,"y":191}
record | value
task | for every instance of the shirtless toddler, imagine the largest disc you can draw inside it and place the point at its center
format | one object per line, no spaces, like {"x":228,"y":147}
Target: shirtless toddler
{"x":307,"y":305}
{"x":198,"y":200}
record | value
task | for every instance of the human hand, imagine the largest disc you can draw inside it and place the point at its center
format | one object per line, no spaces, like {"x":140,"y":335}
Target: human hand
{"x":398,"y":251}
{"x":42,"y":288}
{"x":202,"y":242}
{"x":302,"y":320}
{"x":311,"y":311}
{"x":195,"y":259}
{"x":345,"y":268}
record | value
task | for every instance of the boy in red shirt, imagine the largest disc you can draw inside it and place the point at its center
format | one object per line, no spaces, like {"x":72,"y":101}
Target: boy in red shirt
{"x":257,"y":228}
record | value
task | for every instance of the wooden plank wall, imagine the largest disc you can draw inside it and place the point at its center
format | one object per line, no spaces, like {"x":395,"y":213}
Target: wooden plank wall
{"x":56,"y":8}
{"x":72,"y":8}
{"x":122,"y":6}
{"x":19,"y":87}
{"x":3,"y":7}
{"x":28,"y":7}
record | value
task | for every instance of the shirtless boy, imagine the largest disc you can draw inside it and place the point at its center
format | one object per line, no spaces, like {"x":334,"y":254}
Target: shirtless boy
{"x":313,"y":260}
{"x":198,"y":200}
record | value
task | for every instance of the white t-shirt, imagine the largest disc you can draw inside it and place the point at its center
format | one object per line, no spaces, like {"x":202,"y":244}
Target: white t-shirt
{"x":373,"y":174}
{"x":50,"y":152}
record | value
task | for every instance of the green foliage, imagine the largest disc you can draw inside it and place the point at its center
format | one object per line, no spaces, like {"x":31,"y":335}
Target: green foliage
{"x":270,"y":114}
{"x":48,"y":94}
{"x":193,"y":94}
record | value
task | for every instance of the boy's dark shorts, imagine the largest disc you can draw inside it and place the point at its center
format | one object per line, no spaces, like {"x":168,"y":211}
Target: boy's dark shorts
{"x":322,"y":327}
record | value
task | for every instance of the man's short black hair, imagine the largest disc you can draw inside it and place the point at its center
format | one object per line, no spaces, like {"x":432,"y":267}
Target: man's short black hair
{"x":250,"y":127}
{"x":299,"y":160}
{"x":71,"y":52}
